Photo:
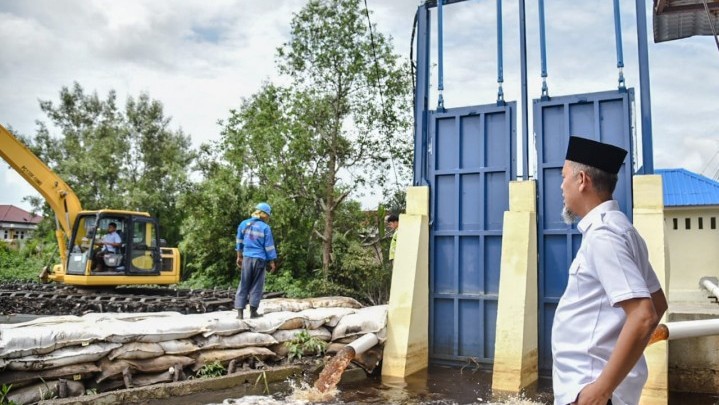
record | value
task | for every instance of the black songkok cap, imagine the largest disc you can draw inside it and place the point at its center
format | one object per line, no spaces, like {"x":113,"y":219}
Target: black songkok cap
{"x":605,"y":157}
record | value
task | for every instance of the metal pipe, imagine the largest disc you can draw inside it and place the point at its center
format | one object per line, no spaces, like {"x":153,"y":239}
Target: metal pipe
{"x":618,"y":38}
{"x":543,"y":50}
{"x":364,"y":343}
{"x":689,"y":329}
{"x":500,"y":61}
{"x":710,"y":284}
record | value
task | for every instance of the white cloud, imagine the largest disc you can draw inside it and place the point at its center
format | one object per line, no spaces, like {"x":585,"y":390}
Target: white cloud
{"x":200,"y":58}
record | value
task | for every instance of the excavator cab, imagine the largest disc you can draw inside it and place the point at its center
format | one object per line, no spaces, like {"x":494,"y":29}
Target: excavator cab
{"x":138,"y":253}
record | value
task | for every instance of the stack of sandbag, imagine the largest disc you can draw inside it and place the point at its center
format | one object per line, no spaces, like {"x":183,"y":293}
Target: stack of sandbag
{"x":67,"y":355}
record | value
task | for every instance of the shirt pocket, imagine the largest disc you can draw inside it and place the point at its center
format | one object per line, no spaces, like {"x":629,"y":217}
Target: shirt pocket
{"x":572,"y":292}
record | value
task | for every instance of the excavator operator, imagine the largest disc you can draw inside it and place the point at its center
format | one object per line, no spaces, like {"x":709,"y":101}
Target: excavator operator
{"x":110,"y":244}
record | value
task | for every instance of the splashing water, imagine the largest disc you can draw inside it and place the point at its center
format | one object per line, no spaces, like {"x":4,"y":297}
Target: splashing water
{"x":332,"y":373}
{"x":303,"y":393}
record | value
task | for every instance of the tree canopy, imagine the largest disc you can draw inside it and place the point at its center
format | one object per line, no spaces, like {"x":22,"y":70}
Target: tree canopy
{"x":116,"y":159}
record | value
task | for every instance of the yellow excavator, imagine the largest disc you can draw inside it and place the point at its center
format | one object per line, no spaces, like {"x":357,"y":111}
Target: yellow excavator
{"x":87,"y":258}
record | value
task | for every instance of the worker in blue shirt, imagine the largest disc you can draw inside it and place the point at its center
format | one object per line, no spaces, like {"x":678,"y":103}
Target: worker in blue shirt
{"x":255,"y":249}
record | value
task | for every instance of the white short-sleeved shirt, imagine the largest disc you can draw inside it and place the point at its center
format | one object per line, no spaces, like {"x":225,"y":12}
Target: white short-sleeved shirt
{"x":611,"y":266}
{"x":111,"y":238}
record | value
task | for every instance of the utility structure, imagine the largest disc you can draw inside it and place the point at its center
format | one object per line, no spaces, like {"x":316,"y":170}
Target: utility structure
{"x":468,"y":155}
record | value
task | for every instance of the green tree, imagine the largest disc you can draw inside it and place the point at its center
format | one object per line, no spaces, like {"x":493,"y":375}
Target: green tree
{"x":265,"y":154}
{"x":89,"y":152}
{"x":213,"y":207}
{"x":360,"y":100}
{"x":155,"y":171}
{"x":116,"y":160}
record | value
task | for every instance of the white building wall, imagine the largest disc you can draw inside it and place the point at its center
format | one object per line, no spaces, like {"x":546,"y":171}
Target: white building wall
{"x":693,"y":246}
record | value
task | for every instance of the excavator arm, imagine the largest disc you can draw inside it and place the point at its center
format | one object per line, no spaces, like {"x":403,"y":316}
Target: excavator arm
{"x":56,"y":192}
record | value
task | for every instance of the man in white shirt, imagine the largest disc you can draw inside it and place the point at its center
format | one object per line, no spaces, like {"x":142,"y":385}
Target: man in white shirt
{"x":613,"y":300}
{"x":110,"y":244}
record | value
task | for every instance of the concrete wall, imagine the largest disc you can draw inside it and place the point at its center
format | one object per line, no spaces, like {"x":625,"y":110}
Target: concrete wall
{"x":516,"y":349}
{"x":648,"y":213}
{"x":692,"y":241}
{"x":406,"y":350}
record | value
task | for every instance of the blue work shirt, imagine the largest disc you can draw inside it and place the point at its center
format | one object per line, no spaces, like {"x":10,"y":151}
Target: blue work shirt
{"x":254,"y":239}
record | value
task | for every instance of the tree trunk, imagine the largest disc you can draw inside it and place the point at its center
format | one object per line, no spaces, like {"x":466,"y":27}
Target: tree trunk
{"x":329,"y":216}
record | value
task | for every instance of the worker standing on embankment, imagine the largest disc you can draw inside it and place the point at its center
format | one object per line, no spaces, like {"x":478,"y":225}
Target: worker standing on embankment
{"x":255,"y":249}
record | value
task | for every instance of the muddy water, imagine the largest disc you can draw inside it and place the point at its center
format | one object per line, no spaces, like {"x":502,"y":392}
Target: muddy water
{"x":436,"y":386}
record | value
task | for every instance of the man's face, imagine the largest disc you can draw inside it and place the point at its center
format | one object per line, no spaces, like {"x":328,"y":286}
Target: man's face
{"x":111,"y":228}
{"x":570,"y":193}
{"x":393,"y":225}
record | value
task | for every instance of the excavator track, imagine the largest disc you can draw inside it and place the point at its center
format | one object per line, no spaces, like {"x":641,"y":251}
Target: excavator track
{"x":56,"y":299}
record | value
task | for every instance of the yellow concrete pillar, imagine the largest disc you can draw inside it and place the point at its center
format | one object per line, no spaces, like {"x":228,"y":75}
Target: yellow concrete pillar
{"x":649,"y":221}
{"x":406,"y":350}
{"x":516,"y":348}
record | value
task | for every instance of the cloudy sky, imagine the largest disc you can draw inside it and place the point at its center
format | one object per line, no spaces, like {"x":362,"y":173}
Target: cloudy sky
{"x":201,"y":58}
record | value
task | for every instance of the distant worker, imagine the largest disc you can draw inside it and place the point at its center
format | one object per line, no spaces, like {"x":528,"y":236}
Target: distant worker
{"x":255,"y":249}
{"x":613,"y":299}
{"x":393,"y":224}
{"x":110,"y":244}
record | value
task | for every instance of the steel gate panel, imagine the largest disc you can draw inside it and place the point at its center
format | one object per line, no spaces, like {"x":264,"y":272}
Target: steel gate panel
{"x":604,"y":117}
{"x":471,"y":159}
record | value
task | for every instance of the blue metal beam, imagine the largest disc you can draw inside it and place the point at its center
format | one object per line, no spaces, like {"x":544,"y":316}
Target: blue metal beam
{"x":525,"y":102}
{"x":644,"y":89}
{"x":421,"y":97}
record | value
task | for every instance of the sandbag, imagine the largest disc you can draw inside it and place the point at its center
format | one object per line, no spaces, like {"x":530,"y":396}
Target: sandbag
{"x":276,"y":320}
{"x":238,"y":341}
{"x":43,"y":321}
{"x":224,"y":356}
{"x":334,"y":302}
{"x":365,"y":320}
{"x":38,"y":338}
{"x":62,"y":357}
{"x":152,"y":330}
{"x":334,"y":348}
{"x":223,"y":323}
{"x":369,"y":359}
{"x":113,"y":368}
{"x":282,"y":336}
{"x":46,"y":390}
{"x":71,"y":372}
{"x":329,"y":317}
{"x":136,"y":350}
{"x":283,"y":305}
{"x":179,"y":347}
{"x":94,"y":317}
{"x":281,"y":350}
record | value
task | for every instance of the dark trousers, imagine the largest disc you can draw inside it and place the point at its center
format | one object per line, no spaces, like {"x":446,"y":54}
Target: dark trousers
{"x":252,"y":282}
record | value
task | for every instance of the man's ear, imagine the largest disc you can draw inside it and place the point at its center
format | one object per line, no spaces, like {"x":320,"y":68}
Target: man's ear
{"x":584,"y":180}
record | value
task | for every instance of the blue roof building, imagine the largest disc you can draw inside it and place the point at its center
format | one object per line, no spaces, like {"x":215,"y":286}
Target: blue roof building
{"x":691,"y":230}
{"x":683,"y":188}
